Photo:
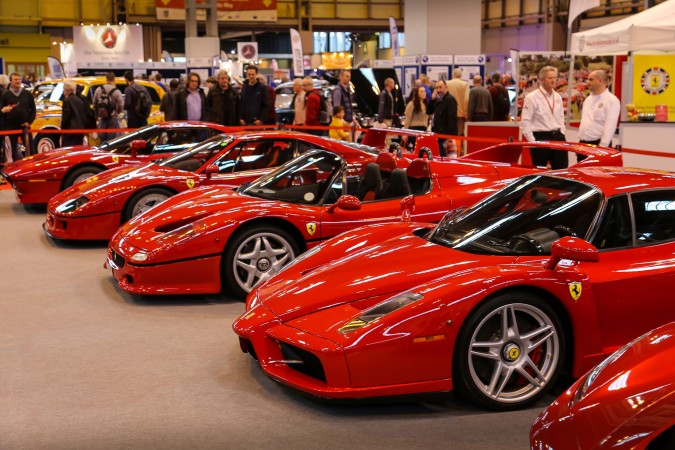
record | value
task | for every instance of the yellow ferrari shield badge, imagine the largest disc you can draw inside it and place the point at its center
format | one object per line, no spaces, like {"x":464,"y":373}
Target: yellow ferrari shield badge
{"x":311,"y":228}
{"x":575,"y":290}
{"x":116,"y":159}
{"x":190,"y":183}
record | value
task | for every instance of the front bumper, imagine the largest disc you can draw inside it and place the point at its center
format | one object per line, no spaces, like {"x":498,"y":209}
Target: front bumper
{"x":90,"y":228}
{"x":34,"y":191}
{"x":191,"y":276}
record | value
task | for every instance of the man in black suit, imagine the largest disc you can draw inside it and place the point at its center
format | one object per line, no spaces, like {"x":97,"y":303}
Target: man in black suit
{"x":444,"y":108}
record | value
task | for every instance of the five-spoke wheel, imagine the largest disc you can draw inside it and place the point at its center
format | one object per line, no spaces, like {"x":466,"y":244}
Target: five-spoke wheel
{"x":509,"y":352}
{"x":145,"y":200}
{"x":254,"y":255}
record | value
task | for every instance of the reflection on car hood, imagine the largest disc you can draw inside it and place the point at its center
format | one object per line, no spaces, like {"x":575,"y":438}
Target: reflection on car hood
{"x":375,"y":271}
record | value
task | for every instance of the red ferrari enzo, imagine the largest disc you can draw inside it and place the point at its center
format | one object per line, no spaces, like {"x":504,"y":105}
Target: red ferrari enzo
{"x":546,"y":275}
{"x":94,"y":209}
{"x":214,"y":238}
{"x":625,"y":402}
{"x":38,"y":178}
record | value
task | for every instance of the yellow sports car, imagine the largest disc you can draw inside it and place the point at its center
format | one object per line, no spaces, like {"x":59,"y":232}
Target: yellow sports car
{"x":49,"y":96}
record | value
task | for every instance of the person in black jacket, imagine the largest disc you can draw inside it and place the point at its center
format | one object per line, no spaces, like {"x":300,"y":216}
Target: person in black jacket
{"x":168,"y":103}
{"x":191,"y":101}
{"x":444,"y":108}
{"x":73,"y":115}
{"x":255,"y":102}
{"x":18,"y":107}
{"x":130,"y":100}
{"x":222,"y":102}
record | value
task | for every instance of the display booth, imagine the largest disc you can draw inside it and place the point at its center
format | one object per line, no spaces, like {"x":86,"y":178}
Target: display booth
{"x":408,"y":71}
{"x":437,"y":67}
{"x":647,"y":38}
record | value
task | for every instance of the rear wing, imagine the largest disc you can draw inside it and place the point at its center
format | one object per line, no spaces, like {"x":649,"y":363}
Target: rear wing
{"x":518,"y":153}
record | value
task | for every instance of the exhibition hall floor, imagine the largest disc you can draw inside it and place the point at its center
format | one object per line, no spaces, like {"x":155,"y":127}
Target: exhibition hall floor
{"x":85,"y":365}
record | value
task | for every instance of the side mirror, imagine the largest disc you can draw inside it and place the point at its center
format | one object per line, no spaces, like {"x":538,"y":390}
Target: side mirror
{"x":346,"y":202}
{"x":571,"y":248}
{"x":210,"y":170}
{"x":407,"y":207}
{"x":135,"y":145}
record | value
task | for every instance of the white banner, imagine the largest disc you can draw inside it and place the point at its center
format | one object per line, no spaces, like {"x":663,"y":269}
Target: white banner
{"x":296,"y":49}
{"x":104,"y":44}
{"x":437,"y":59}
{"x":470,"y":59}
{"x":579,"y":6}
{"x":393,"y":30}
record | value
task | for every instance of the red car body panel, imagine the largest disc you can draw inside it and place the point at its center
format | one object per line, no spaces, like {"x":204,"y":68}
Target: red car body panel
{"x":455,"y":183}
{"x":410,"y":350}
{"x":629,"y":405}
{"x":38,"y":178}
{"x":110,"y":192}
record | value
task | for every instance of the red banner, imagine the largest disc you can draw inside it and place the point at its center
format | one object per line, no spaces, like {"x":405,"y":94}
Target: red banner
{"x":242,"y":10}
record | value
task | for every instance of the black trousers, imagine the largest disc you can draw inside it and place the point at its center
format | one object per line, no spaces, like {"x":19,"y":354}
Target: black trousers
{"x":582,"y":157}
{"x":544,"y":156}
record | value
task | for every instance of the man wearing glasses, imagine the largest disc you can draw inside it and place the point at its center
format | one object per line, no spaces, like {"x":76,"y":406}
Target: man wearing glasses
{"x":254,"y":99}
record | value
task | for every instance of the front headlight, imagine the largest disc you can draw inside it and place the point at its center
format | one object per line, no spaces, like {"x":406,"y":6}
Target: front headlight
{"x":591,"y":376}
{"x":72,"y":205}
{"x":141,"y":256}
{"x":382,"y":309}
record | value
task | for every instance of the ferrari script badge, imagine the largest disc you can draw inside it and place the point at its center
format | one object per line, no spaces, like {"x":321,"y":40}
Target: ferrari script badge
{"x":190,"y":183}
{"x":575,"y":290}
{"x":311,"y":228}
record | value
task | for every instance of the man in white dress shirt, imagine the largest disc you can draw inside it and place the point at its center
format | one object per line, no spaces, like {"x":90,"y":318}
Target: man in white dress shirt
{"x":600,"y":113}
{"x":543,"y":119}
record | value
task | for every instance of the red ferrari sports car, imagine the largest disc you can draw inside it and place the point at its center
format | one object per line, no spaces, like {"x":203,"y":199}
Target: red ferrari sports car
{"x":212,"y":238}
{"x":546,"y":275}
{"x":625,"y":402}
{"x":38,"y":178}
{"x":94,"y":209}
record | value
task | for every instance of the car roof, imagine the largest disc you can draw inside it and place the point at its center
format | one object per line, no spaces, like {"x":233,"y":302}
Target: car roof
{"x":346,"y":147}
{"x":618,"y":180}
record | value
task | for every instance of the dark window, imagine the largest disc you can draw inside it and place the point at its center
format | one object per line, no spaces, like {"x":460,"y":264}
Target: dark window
{"x":615,"y":229}
{"x":654,"y":216}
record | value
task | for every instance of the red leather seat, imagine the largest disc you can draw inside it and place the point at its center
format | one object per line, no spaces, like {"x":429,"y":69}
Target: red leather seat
{"x":419,"y":176}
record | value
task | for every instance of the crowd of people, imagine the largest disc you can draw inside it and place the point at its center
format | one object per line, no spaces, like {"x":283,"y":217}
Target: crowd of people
{"x":442,"y":106}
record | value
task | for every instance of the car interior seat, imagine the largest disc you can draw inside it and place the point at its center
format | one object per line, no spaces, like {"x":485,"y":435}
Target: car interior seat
{"x":370,"y":186}
{"x":387,"y":163}
{"x":419,"y":176}
{"x":397,"y":186}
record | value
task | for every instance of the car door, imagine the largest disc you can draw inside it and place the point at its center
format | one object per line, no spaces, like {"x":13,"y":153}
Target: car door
{"x":633,"y":281}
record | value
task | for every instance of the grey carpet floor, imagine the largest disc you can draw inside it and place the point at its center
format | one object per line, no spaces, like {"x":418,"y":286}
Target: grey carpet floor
{"x":84,"y":365}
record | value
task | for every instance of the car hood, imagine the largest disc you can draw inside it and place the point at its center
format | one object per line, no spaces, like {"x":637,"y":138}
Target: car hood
{"x":44,"y":161}
{"x":378,"y":271}
{"x":213,"y":205}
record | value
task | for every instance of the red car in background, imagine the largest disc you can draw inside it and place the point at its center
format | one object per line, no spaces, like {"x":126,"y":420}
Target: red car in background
{"x":38,"y":178}
{"x":94,"y":209}
{"x":548,"y":275}
{"x":212,"y":239}
{"x":625,"y":402}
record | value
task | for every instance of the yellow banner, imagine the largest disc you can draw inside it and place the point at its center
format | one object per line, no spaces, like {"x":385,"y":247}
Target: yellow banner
{"x":653,"y":78}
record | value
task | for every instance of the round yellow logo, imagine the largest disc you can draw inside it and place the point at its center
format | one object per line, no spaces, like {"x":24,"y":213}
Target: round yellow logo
{"x":514,"y":353}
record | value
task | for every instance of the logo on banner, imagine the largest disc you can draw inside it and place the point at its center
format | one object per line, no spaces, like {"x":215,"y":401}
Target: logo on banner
{"x":425,"y":59}
{"x":655,"y":80}
{"x":248,"y":50}
{"x":109,"y":38}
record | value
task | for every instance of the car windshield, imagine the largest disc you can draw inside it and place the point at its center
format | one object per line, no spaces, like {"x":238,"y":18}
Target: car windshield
{"x":524,"y":218}
{"x":122,"y":143}
{"x":192,"y":159}
{"x":302,"y":180}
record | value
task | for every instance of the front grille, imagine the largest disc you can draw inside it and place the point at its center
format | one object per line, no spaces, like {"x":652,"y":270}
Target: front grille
{"x":247,"y":347}
{"x":302,"y":361}
{"x":117,"y":259}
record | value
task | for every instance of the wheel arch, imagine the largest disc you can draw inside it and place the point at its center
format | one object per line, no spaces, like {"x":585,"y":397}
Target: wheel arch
{"x":556,"y":304}
{"x":79,"y":166}
{"x":274,"y":221}
{"x":141,"y":191}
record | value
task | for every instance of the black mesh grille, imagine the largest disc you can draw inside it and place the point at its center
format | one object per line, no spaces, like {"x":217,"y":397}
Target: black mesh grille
{"x":117,"y":259}
{"x":303,"y":361}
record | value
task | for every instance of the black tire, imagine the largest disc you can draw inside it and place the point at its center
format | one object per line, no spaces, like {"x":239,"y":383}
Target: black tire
{"x":260,"y":262}
{"x":46,"y":142}
{"x":495,"y":375}
{"x":144,"y":200}
{"x":79,"y":174}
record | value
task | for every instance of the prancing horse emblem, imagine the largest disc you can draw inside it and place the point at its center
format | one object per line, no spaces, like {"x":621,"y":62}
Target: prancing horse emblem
{"x":190,"y":183}
{"x":575,"y":290}
{"x":311,"y":228}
